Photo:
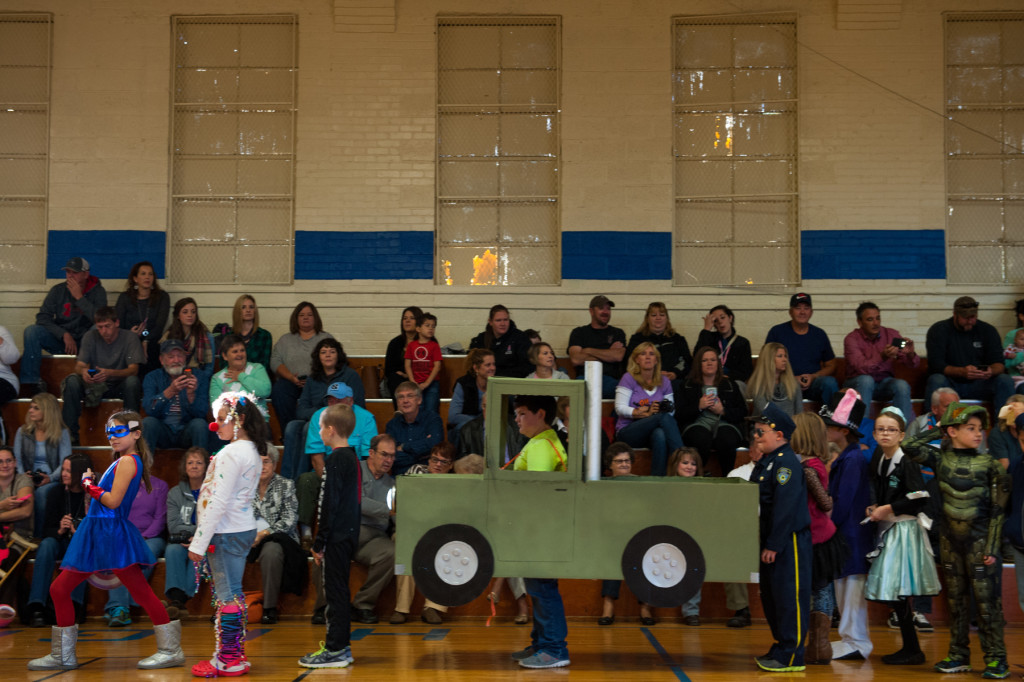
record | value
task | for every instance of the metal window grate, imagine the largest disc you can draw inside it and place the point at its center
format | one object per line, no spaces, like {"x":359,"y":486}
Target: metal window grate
{"x":25,"y":62}
{"x":233,"y":114}
{"x":734,"y":90}
{"x":985,"y":147}
{"x":498,"y":151}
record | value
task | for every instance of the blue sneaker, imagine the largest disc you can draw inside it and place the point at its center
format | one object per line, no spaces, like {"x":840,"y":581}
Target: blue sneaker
{"x":119,"y":617}
{"x":523,"y":653}
{"x":543,"y":659}
{"x":996,"y":670}
{"x":322,"y":658}
{"x":952,"y":665}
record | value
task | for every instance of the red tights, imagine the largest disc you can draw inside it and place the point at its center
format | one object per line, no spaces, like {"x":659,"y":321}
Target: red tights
{"x":131,"y":577}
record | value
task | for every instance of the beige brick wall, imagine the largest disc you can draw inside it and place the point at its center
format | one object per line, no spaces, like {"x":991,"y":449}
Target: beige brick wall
{"x":871,"y":152}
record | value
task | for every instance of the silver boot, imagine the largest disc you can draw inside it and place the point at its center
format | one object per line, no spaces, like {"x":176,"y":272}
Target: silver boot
{"x":168,"y":647}
{"x":62,"y":650}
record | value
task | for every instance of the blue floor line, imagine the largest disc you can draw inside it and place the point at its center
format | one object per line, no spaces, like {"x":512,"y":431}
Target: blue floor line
{"x":676,"y":669}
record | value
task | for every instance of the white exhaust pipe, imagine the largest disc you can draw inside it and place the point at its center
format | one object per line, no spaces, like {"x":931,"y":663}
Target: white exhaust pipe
{"x":594,"y":374}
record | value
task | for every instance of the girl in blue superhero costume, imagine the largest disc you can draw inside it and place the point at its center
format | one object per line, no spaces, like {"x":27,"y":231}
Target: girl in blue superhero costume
{"x":107,"y":541}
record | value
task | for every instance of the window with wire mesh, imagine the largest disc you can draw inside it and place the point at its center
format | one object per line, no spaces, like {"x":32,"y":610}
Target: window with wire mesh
{"x":25,"y":49}
{"x":498,"y":151}
{"x":734,"y":91}
{"x":233,"y":149}
{"x":985,"y":148}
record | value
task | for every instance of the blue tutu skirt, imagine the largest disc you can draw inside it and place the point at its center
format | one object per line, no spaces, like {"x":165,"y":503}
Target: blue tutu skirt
{"x":106,"y":544}
{"x":904,"y":565}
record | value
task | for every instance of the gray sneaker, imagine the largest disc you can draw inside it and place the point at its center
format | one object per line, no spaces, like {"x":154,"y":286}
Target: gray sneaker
{"x":322,"y":658}
{"x":543,"y":659}
{"x":524,"y":653}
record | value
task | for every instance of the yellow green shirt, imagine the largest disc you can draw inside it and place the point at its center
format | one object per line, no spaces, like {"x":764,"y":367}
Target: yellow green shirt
{"x":544,"y":452}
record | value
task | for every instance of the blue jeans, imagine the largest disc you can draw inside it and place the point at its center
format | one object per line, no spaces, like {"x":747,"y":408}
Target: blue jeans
{"x":549,"y":626}
{"x":49,"y":553}
{"x":432,"y":398}
{"x":285,"y":396}
{"x":179,"y":571}
{"x":295,"y":461}
{"x":128,"y":389}
{"x":997,"y":389}
{"x":119,"y":597}
{"x":821,"y":389}
{"x":895,"y":390}
{"x":227,"y":563}
{"x":159,"y":435}
{"x":824,"y":600}
{"x":659,"y":432}
{"x":37,"y":339}
{"x":692,"y":606}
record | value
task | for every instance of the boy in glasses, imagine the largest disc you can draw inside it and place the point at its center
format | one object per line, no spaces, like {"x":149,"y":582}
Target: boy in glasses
{"x":785,"y":541}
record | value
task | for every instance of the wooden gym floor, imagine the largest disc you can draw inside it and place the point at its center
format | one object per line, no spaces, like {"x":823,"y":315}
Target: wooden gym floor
{"x":465,"y":649}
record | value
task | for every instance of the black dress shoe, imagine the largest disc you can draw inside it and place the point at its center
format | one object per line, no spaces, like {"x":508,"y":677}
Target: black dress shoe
{"x":852,"y":656}
{"x":648,"y":621}
{"x":902,"y":657}
{"x":37,"y":620}
{"x":269,"y":617}
{"x":740,"y":619}
{"x":318,"y":618}
{"x":606,"y":620}
{"x":367,"y":616}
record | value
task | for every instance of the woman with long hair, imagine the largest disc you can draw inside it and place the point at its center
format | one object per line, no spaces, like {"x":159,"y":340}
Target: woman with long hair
{"x":107,"y":541}
{"x":225,"y":520}
{"x":143,"y":308}
{"x":508,"y":343}
{"x":245,"y":322}
{"x":394,"y":358}
{"x":644,"y":405}
{"x":40,"y":446}
{"x":469,"y":391}
{"x":657,"y":329}
{"x":712,"y":410}
{"x":734,"y":350}
{"x":290,"y":359}
{"x":773,"y":382}
{"x":193,"y":334}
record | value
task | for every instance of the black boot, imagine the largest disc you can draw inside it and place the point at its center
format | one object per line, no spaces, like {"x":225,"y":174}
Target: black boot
{"x":911,"y":653}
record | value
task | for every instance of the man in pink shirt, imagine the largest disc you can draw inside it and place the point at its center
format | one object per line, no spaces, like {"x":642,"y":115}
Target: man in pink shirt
{"x":871,"y":353}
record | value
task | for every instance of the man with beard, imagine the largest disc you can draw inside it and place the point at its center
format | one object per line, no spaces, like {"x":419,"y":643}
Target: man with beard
{"x":176,"y":402}
{"x":599,"y":341}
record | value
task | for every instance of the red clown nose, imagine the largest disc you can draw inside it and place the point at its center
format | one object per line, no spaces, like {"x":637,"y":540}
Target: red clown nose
{"x":214,"y":426}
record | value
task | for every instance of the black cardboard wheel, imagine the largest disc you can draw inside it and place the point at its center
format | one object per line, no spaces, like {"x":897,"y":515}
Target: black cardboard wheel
{"x":452,"y":564}
{"x":663,"y":566}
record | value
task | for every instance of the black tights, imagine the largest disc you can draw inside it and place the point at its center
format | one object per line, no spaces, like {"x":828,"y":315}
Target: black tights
{"x":905,"y":614}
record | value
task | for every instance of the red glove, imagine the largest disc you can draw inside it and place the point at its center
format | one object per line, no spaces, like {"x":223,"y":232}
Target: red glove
{"x":94,"y":491}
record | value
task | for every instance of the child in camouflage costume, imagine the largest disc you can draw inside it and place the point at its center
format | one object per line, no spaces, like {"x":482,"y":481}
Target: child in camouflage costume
{"x":975,"y":492}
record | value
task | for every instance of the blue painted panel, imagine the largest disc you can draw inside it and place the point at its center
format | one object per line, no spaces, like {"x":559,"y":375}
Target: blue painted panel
{"x":111,"y":253}
{"x":873,"y":254}
{"x":616,"y":255}
{"x":364,"y":255}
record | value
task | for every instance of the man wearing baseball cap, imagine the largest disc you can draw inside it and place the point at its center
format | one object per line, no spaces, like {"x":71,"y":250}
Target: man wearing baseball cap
{"x":66,"y":315}
{"x":810,"y":351}
{"x":599,"y":341}
{"x":176,"y":402}
{"x":966,"y":354}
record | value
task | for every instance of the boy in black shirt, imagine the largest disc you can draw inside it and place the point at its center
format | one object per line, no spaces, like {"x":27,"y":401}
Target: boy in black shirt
{"x":338,"y":535}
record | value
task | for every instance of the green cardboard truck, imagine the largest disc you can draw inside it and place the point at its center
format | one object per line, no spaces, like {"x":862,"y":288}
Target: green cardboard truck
{"x":663,"y":536}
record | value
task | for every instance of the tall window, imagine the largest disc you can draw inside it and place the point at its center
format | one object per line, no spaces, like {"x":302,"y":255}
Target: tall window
{"x":985,"y":148}
{"x":233,"y":149}
{"x":498,"y":151}
{"x":735,"y":113}
{"x":25,"y":48}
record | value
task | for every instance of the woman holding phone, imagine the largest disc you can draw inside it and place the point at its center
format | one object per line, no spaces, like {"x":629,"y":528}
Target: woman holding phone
{"x":711,"y":411}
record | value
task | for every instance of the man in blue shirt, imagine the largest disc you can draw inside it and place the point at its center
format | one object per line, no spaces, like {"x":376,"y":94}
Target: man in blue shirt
{"x":415,"y":431}
{"x":176,"y":402}
{"x":810,"y":351}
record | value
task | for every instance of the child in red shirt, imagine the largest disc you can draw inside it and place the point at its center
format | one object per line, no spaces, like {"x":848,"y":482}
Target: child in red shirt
{"x":423,"y":362}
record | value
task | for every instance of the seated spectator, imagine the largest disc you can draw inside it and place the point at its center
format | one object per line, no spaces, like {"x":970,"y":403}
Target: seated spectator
{"x":645,"y":407}
{"x":149,"y":515}
{"x":423,"y":362}
{"x":872,"y":352}
{"x":176,"y":402}
{"x":291,"y":359}
{"x":561,"y":426}
{"x":276,"y":547}
{"x":773,"y":382}
{"x":720,"y":332}
{"x":239,"y":374}
{"x":107,"y":367}
{"x":545,"y":364}
{"x":195,"y":338}
{"x":810,"y":351}
{"x":414,"y":431}
{"x":394,"y":358}
{"x":65,"y":509}
{"x":470,"y":464}
{"x":67,"y":313}
{"x":16,"y":509}
{"x":712,"y":411}
{"x":473,"y":437}
{"x":1013,"y":356}
{"x":440,"y":462}
{"x":1018,"y":318}
{"x":941,"y":398}
{"x":672,"y":347}
{"x":686,"y":463}
{"x":179,"y":580}
{"x":142,"y":308}
{"x":469,"y":391}
{"x":508,"y":344}
{"x":376,"y":550}
{"x":964,"y":354}
{"x":619,"y":459}
{"x":245,"y":322}
{"x":599,"y":341}
{"x":9,"y":384}
{"x":40,"y":446}
{"x":307,"y":484}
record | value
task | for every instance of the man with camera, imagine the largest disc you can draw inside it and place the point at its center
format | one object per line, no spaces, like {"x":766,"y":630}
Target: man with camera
{"x":872,"y":352}
{"x":176,"y":401}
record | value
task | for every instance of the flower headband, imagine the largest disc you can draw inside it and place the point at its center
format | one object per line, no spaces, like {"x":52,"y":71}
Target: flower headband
{"x":232,"y":400}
